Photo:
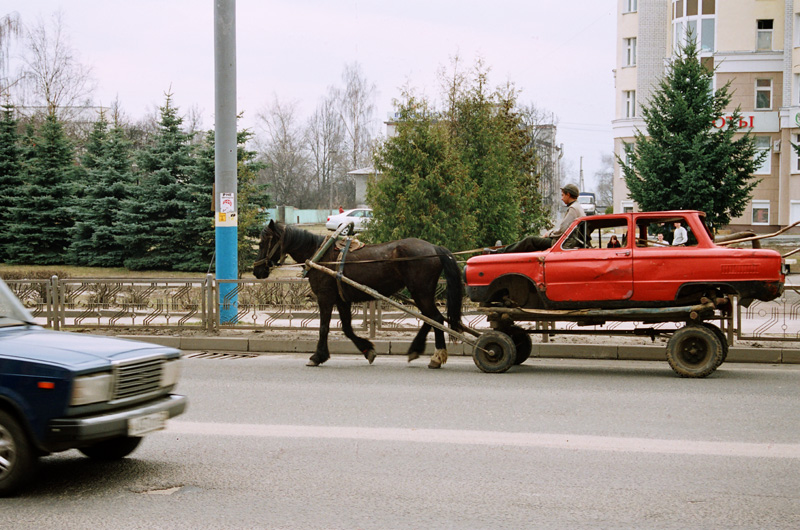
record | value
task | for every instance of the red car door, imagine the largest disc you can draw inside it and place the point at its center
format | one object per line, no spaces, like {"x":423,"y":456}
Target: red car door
{"x":581,"y":266}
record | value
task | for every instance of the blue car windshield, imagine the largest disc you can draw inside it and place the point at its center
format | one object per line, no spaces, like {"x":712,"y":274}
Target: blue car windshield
{"x":12,"y":312}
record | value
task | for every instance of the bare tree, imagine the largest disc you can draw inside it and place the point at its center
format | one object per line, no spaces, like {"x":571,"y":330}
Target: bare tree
{"x":325,"y":142}
{"x":542,"y":129}
{"x":10,"y":28}
{"x":356,"y":103}
{"x":605,"y":181}
{"x":280,"y":142}
{"x":55,"y":77}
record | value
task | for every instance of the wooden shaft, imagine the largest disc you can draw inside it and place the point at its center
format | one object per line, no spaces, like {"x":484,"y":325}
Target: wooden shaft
{"x":376,"y":294}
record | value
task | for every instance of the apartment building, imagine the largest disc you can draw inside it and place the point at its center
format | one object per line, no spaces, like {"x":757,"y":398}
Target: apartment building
{"x":755,"y":44}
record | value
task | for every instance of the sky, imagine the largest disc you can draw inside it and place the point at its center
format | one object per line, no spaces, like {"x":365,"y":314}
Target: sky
{"x":560,"y":55}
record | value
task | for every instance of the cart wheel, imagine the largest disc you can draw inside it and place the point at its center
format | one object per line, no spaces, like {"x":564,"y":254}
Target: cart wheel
{"x":494,"y":352}
{"x":522,"y":342}
{"x":694,"y":351}
{"x":722,"y":339}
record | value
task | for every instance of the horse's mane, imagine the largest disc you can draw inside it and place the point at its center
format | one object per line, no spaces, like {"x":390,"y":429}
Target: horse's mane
{"x":297,"y":238}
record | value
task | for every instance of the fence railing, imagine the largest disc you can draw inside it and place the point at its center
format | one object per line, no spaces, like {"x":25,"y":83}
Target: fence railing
{"x":289,"y":304}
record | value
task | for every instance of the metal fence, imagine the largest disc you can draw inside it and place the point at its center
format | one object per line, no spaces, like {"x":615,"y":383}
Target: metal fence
{"x":289,"y":304}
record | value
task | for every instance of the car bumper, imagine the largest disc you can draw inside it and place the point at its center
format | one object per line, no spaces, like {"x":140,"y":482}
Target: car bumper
{"x":65,"y":433}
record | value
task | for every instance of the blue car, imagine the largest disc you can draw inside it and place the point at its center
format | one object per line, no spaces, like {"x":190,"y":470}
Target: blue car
{"x":62,"y":391}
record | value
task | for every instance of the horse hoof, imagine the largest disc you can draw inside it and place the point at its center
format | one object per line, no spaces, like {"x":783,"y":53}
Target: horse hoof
{"x":412,"y":356}
{"x":434,"y":364}
{"x":370,"y":355}
{"x":312,"y":363}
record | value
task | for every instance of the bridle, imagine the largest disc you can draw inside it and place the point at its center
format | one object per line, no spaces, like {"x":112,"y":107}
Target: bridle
{"x":268,"y":259}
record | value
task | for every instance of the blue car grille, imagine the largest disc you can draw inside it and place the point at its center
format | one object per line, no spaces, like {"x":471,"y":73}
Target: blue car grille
{"x":137,"y":378}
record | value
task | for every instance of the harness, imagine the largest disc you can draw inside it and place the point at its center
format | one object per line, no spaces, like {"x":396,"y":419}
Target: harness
{"x":272,"y":252}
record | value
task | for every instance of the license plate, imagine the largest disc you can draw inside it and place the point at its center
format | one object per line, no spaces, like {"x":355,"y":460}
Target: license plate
{"x":147,"y":423}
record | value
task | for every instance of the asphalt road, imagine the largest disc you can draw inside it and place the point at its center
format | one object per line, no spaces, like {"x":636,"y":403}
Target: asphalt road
{"x":269,"y":443}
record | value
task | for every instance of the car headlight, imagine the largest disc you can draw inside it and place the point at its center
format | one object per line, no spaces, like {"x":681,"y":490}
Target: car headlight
{"x":170,"y":372}
{"x":91,"y":389}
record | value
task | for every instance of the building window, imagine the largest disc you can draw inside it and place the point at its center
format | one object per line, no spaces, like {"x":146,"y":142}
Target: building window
{"x":796,"y":89}
{"x":630,"y":52}
{"x":795,"y":156}
{"x":796,"y":29}
{"x":625,"y":155}
{"x":630,"y":103}
{"x":627,"y":206}
{"x":762,"y":144}
{"x":764,"y":35}
{"x":707,"y":34}
{"x":695,"y":18}
{"x":763,"y":94}
{"x":631,"y":6}
{"x":760,"y":212}
{"x":794,"y":211}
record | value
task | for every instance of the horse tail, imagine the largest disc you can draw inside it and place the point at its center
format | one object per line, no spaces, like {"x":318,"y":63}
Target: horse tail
{"x":455,"y":288}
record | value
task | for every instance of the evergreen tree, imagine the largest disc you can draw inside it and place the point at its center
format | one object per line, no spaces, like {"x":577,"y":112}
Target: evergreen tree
{"x":686,"y":162}
{"x":10,"y":174}
{"x":107,"y":163}
{"x":41,"y":222}
{"x":156,"y":225}
{"x":487,"y":156}
{"x":253,"y":198}
{"x":425,"y":190}
{"x":479,"y":150}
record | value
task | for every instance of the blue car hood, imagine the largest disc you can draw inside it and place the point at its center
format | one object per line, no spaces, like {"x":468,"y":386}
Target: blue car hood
{"x":71,"y":350}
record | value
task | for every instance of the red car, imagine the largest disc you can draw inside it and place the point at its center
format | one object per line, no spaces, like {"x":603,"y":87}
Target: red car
{"x":581,"y":271}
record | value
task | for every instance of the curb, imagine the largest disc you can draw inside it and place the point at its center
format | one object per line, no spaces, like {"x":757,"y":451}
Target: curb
{"x":263,"y":346}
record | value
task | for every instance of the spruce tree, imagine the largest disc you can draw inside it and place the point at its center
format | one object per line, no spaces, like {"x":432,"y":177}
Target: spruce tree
{"x":482,"y":139}
{"x":107,"y":165}
{"x":684,"y":161}
{"x":41,"y":221}
{"x":153,"y":223}
{"x":253,"y":198}
{"x":10,"y":175}
{"x":425,"y":190}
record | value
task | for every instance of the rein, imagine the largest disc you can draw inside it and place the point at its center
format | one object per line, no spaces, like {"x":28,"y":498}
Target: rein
{"x":266,"y":260}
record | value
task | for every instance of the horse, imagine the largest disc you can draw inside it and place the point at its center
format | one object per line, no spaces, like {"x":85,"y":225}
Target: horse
{"x":385,"y":267}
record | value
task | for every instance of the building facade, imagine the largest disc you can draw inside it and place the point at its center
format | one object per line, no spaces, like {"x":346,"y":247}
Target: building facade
{"x":754,"y":44}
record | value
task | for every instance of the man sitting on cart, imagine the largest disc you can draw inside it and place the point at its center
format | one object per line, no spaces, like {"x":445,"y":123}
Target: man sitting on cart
{"x":569,"y":195}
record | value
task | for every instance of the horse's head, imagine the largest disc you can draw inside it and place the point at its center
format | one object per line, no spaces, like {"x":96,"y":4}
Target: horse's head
{"x":270,"y":250}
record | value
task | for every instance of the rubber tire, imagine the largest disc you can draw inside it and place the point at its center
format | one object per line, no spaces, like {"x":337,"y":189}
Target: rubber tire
{"x":722,"y":339}
{"x":15,"y":449}
{"x":113,"y":449}
{"x":694,"y":351}
{"x":522,"y":342}
{"x":494,"y":352}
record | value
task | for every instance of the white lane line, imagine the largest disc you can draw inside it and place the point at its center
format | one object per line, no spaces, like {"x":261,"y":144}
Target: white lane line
{"x":494,"y":438}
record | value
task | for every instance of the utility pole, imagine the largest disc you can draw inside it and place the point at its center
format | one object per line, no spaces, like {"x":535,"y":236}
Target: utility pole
{"x":225,"y":179}
{"x":580,"y":178}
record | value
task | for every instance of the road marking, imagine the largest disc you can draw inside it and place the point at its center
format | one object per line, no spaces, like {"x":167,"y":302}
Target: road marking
{"x":494,"y":438}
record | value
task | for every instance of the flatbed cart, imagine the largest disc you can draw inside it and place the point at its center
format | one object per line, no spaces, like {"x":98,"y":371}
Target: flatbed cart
{"x":694,"y":350}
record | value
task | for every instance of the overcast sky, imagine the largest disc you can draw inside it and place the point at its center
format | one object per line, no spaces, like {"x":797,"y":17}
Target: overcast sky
{"x":560,"y":54}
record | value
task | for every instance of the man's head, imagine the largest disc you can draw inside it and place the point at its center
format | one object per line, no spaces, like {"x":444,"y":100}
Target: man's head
{"x":569,"y":193}
{"x":677,"y":224}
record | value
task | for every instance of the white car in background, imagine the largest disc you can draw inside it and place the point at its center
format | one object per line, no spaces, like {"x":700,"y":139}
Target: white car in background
{"x":360,"y":217}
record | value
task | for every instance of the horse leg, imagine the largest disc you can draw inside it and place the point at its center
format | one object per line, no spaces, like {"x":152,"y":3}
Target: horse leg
{"x":322,"y":354}
{"x":346,"y":317}
{"x":439,"y":357}
{"x":417,"y":347}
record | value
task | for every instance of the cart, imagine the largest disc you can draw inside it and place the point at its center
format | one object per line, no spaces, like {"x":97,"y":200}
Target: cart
{"x":694,"y":350}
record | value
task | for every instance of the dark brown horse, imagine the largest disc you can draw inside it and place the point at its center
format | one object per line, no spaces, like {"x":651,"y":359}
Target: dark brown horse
{"x":386,"y":267}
